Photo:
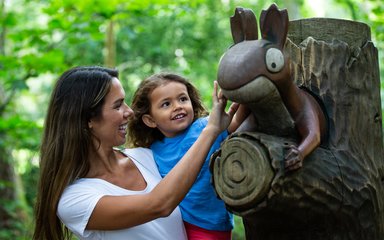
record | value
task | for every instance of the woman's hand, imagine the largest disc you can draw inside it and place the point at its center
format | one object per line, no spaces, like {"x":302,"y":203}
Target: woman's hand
{"x":219,"y":120}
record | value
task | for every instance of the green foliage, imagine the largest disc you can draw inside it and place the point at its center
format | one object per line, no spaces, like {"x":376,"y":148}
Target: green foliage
{"x":19,"y":227}
{"x":238,"y":232}
{"x":30,"y":180}
{"x":17,"y":129}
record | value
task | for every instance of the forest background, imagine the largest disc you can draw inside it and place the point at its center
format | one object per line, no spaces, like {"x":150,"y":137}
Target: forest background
{"x":39,"y":39}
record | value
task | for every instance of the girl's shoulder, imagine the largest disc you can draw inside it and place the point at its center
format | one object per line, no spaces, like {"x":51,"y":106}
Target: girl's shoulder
{"x":201,"y":122}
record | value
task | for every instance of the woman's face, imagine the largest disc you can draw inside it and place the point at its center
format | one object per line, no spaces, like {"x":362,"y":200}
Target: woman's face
{"x":110,"y":128}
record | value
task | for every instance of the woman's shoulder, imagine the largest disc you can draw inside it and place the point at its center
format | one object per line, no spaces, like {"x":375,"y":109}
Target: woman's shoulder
{"x":83,"y":186}
{"x":138,"y":150}
{"x":138,"y":153}
{"x":143,"y":157}
{"x":82,"y":192}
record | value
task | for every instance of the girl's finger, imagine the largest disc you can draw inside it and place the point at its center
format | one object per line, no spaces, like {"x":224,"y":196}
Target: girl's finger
{"x":233,"y":109}
{"x":214,"y":93}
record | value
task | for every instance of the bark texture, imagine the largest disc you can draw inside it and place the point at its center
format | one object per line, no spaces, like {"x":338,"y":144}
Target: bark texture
{"x":339,"y":191}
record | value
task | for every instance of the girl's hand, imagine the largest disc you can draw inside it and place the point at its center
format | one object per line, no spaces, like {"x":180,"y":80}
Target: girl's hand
{"x":219,"y":119}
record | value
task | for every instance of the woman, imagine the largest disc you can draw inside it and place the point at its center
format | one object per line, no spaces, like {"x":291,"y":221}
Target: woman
{"x":96,"y":190}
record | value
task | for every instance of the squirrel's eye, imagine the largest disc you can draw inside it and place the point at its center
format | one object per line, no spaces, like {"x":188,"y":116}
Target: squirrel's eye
{"x":274,"y":59}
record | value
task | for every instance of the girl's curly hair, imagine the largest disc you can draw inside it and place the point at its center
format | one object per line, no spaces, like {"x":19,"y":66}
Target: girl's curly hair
{"x":139,"y":134}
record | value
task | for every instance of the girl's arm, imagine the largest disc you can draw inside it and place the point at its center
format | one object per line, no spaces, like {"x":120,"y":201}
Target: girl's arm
{"x":242,"y":113}
{"x":117,"y":212}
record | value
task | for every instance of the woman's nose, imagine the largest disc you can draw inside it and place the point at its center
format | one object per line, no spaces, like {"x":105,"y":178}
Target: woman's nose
{"x":128,"y":112}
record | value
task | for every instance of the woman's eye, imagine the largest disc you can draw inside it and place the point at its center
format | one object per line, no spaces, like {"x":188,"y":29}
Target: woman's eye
{"x":274,"y":60}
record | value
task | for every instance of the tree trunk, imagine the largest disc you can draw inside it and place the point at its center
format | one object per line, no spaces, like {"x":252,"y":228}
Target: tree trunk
{"x":7,"y":190}
{"x":110,"y":46}
{"x":12,"y":208}
{"x":339,"y":191}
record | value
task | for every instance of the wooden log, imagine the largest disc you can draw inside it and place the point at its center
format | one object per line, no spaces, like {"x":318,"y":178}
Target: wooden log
{"x":243,"y":173}
{"x":339,"y":191}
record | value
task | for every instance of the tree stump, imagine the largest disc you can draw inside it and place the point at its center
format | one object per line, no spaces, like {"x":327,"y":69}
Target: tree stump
{"x":339,"y":192}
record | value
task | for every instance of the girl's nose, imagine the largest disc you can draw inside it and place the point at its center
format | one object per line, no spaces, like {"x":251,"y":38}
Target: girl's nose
{"x":176,"y":106}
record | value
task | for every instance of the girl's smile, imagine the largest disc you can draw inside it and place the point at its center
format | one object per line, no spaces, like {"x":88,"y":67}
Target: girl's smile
{"x":171,"y":109}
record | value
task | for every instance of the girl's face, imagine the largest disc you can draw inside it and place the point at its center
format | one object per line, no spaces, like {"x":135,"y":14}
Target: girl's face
{"x":111,"y":126}
{"x":171,"y":109}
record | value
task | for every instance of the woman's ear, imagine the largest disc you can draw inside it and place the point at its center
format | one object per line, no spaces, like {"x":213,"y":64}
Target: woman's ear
{"x":148,"y":120}
{"x":90,"y":124}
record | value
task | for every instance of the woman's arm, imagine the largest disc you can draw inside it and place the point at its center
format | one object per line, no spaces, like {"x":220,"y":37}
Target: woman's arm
{"x":113,"y":212}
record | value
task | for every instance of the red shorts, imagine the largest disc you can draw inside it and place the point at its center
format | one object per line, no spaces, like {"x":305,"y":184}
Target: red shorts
{"x":197,"y":233}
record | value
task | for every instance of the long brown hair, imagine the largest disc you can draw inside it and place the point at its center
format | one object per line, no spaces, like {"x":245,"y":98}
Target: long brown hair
{"x":77,"y":97}
{"x":139,"y":134}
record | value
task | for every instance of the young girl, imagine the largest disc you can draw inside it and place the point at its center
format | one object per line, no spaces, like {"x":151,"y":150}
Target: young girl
{"x":169,"y":117}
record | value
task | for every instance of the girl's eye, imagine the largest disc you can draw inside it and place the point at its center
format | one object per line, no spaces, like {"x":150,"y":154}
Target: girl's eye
{"x":165,"y":104}
{"x":183,"y":99}
{"x":274,"y":60}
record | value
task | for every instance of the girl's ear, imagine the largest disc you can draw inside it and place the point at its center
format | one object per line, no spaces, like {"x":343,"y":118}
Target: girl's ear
{"x":90,"y":124}
{"x":148,"y":120}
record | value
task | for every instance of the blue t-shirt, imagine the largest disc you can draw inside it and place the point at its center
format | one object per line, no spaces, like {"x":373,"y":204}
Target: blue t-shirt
{"x":200,"y":206}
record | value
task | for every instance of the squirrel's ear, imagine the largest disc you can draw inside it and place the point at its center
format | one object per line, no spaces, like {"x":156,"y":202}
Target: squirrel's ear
{"x":243,"y":25}
{"x":274,"y":25}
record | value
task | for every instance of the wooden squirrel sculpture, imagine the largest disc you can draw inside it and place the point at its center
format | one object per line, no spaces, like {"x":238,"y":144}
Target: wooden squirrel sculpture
{"x":256,"y":72}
